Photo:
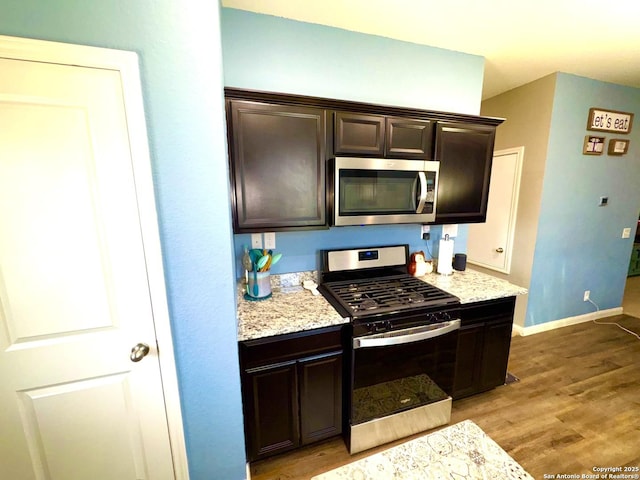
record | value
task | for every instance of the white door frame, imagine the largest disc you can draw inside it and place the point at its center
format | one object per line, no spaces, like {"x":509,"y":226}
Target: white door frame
{"x":519,"y":152}
{"x":127,"y":64}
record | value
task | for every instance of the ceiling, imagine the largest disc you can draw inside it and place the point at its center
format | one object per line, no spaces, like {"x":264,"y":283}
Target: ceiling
{"x":520,"y":40}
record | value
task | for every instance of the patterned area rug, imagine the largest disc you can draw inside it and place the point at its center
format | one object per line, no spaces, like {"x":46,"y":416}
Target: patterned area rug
{"x":458,"y":452}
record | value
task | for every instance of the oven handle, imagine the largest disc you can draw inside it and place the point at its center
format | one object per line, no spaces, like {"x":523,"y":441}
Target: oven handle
{"x":383,"y":340}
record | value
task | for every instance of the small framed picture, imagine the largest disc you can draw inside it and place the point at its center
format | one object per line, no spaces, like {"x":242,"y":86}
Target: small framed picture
{"x":593,"y":145}
{"x":618,"y":146}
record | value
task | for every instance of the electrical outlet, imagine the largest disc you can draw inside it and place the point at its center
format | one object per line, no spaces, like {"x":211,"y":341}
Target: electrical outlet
{"x":626,"y":232}
{"x":270,"y":240}
{"x":256,"y":240}
{"x":587,"y":293}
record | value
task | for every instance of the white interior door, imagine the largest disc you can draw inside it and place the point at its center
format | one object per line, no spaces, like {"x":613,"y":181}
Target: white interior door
{"x":490,"y":244}
{"x":74,"y":291}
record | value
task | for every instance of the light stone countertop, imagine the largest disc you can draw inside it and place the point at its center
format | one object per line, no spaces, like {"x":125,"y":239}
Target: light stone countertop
{"x":473,"y":286}
{"x":292,"y":309}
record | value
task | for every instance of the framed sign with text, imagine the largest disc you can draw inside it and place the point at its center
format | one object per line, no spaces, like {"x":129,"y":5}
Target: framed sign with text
{"x":609,"y":120}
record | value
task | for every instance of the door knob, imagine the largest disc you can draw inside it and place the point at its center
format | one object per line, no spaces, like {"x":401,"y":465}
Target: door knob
{"x":499,"y":249}
{"x":139,"y":352}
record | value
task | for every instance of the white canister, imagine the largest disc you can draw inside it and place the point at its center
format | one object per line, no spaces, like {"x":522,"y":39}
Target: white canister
{"x":259,"y":286}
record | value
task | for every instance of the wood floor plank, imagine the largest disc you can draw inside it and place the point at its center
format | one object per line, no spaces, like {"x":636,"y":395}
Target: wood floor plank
{"x":576,"y":406}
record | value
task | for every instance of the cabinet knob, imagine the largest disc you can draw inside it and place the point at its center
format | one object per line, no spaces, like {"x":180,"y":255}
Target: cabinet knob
{"x":499,"y":249}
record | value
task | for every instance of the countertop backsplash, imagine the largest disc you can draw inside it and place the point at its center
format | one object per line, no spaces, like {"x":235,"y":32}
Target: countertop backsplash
{"x":292,"y":282}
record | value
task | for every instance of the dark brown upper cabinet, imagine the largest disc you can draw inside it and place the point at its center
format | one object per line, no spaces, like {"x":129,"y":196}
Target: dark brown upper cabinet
{"x":359,"y":134}
{"x":381,"y":136}
{"x":465,"y":153}
{"x":277,"y":166}
{"x":408,"y":138}
{"x":279,"y":144}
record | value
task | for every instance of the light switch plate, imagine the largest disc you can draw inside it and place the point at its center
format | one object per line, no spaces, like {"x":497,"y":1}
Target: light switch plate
{"x":626,"y":232}
{"x":451,"y":230}
{"x":256,"y":240}
{"x":270,"y":240}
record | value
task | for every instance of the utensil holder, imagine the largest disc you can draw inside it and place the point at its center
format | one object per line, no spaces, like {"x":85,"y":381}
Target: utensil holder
{"x":263,"y":281}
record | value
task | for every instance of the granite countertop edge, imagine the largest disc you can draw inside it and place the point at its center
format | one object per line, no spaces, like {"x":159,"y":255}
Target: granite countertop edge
{"x":292,"y":309}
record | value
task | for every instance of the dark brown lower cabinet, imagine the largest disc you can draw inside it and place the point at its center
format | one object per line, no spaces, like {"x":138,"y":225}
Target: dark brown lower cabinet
{"x":484,"y":342}
{"x":470,"y":342}
{"x":320,"y":397}
{"x":273,"y":411}
{"x":495,"y":353}
{"x":291,"y":390}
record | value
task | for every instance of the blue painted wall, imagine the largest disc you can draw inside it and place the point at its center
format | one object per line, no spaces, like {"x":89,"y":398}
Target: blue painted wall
{"x":269,"y":53}
{"x":180,"y":56}
{"x":301,"y":250}
{"x":579,"y":245}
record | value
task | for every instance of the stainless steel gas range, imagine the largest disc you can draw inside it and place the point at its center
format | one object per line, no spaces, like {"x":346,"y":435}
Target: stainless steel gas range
{"x":402,"y":347}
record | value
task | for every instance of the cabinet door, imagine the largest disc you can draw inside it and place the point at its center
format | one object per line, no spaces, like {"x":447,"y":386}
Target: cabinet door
{"x":357,"y":134}
{"x":495,"y":356}
{"x":465,"y":153}
{"x":484,"y":342}
{"x":408,"y":138}
{"x":468,"y":360}
{"x":320,"y":397}
{"x":277,"y":166}
{"x":271,"y":410}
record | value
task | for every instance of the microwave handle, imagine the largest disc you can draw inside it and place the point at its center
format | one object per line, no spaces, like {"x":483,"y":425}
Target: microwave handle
{"x":423,"y":192}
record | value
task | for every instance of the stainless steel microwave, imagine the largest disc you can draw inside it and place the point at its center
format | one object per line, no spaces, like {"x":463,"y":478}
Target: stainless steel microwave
{"x":374,"y":191}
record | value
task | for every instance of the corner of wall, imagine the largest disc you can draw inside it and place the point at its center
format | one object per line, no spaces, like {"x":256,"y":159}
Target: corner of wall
{"x":528,"y":112}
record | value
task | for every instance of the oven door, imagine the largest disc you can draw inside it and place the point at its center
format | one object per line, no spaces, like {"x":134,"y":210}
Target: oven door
{"x":379,"y":191}
{"x":401,"y":370}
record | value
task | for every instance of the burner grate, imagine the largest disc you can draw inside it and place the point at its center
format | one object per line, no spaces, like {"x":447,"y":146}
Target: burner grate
{"x":379,"y":295}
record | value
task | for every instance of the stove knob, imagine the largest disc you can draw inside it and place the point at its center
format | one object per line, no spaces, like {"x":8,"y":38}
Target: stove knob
{"x":388,"y":325}
{"x":376,"y":327}
{"x":445,"y":317}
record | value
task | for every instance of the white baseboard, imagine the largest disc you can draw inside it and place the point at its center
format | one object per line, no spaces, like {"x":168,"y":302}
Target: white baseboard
{"x":565,"y":322}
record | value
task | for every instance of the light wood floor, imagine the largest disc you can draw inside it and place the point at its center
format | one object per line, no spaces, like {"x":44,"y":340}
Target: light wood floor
{"x":631,"y":298}
{"x":576,"y":406}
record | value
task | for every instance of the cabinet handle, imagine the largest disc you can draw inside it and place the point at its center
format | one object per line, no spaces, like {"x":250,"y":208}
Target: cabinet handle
{"x":499,"y":249}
